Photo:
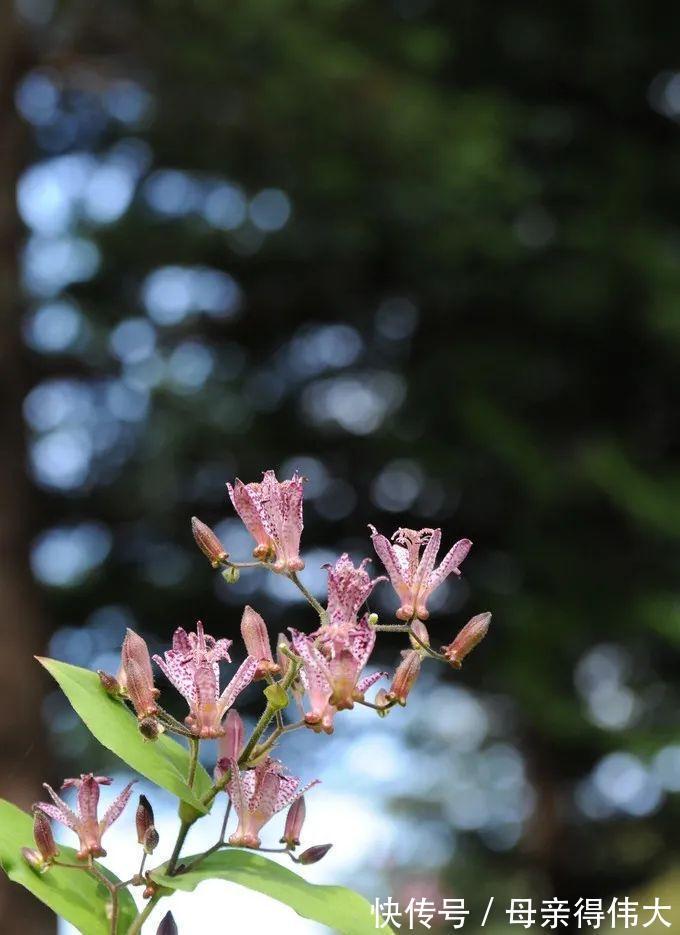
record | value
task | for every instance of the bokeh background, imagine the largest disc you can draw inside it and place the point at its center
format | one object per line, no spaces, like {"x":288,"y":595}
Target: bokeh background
{"x":429,"y":254}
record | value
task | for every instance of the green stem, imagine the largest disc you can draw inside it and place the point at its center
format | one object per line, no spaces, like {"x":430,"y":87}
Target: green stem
{"x":194,"y":744}
{"x":113,"y":891}
{"x":136,"y":926}
{"x":225,"y":821}
{"x":179,"y":843}
{"x":292,"y":575}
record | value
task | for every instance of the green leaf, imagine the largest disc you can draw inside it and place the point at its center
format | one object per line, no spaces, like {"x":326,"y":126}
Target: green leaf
{"x":72,"y":894}
{"x":163,"y":761}
{"x":336,"y":906}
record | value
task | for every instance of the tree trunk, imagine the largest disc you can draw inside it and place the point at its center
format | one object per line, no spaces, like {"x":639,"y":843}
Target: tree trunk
{"x":22,"y":748}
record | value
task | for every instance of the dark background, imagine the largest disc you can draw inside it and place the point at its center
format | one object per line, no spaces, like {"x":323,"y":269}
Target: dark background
{"x":428,"y":253}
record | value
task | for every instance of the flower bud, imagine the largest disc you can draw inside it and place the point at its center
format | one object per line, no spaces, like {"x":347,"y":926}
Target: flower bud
{"x":372,"y":619}
{"x":472,"y":633}
{"x":382,"y":703}
{"x":168,"y":925}
{"x":147,"y":835}
{"x":314,"y":854}
{"x":110,"y":683}
{"x":231,"y":743}
{"x":208,"y":542}
{"x":231,"y":574}
{"x":256,"y":639}
{"x":150,"y":728}
{"x":419,"y":630}
{"x":136,"y":664}
{"x":404,"y":679}
{"x":43,"y":837}
{"x":150,"y":842}
{"x":294,"y":822}
{"x":34,"y":860}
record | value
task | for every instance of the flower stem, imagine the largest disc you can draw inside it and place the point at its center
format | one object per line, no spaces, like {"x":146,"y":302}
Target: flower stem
{"x":136,"y":926}
{"x":179,"y":843}
{"x":225,"y":821}
{"x":308,"y":595}
{"x":194,"y":744}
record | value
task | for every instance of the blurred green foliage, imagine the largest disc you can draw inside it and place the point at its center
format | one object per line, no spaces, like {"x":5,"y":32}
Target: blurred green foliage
{"x":511,"y":173}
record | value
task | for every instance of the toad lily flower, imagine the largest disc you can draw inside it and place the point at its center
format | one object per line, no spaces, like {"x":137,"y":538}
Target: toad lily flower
{"x":348,"y":588}
{"x":413,"y":576}
{"x":334,"y":684}
{"x":271,"y":511}
{"x":259,"y":793}
{"x":192,"y":665}
{"x":85,"y":822}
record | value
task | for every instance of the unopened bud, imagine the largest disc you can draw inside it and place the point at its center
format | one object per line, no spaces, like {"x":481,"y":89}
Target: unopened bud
{"x":256,"y":639}
{"x":42,"y":835}
{"x":314,"y":854}
{"x":372,"y":620}
{"x":382,"y":703}
{"x":294,"y":822}
{"x":151,"y":839}
{"x":472,"y":633}
{"x":231,"y":743}
{"x":168,"y":925}
{"x":34,"y":860}
{"x":147,"y":835}
{"x":208,"y":542}
{"x":405,"y":677}
{"x":110,"y":683}
{"x":150,"y":728}
{"x":231,"y":574}
{"x":136,"y":664}
{"x":419,"y":632}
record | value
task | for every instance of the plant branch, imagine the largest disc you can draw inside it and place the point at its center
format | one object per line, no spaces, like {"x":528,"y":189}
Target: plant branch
{"x":137,"y":924}
{"x":293,"y":576}
{"x":194,"y":745}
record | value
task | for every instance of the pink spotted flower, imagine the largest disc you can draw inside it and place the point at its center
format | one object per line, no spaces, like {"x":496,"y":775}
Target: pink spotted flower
{"x":348,"y":588}
{"x":258,"y":794}
{"x":85,"y":821}
{"x":192,"y":665}
{"x":271,"y":511}
{"x":334,"y":684}
{"x":412,"y":574}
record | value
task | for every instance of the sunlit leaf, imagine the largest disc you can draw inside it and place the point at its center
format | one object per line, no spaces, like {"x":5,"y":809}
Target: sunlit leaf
{"x":340,"y":908}
{"x":72,"y":894}
{"x":163,"y":761}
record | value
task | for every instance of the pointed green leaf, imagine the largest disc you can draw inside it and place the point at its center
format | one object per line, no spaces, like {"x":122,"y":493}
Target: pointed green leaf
{"x":72,"y":894}
{"x":336,"y":906}
{"x":163,"y":761}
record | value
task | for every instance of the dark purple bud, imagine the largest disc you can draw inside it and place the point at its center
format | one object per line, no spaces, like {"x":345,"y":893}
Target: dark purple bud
{"x":168,"y":925}
{"x":314,"y":854}
{"x":147,"y":835}
{"x":42,"y":835}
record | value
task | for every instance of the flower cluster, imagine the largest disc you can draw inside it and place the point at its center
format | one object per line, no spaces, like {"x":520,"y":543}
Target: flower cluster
{"x":323,"y":668}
